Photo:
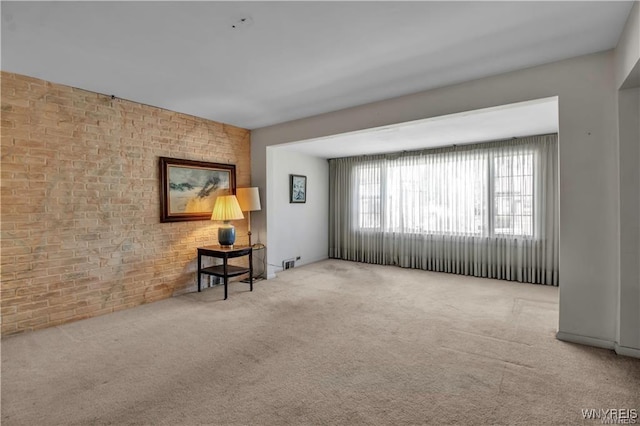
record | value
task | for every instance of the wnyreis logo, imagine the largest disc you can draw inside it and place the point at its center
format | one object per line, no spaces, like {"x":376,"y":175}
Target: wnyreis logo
{"x":611,"y":416}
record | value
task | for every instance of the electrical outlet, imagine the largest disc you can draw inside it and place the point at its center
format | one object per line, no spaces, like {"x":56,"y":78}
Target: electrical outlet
{"x":297,"y":257}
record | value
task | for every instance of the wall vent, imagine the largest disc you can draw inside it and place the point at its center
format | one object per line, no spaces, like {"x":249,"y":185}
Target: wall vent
{"x":288,"y":263}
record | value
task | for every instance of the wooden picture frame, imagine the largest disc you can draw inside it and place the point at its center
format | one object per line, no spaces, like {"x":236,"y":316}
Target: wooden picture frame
{"x":297,"y":189}
{"x":188,"y":189}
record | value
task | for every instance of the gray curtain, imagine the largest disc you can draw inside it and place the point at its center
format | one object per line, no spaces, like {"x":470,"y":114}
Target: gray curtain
{"x":487,"y":210}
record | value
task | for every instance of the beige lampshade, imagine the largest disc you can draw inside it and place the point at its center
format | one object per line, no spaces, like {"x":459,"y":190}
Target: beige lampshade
{"x":249,"y":199}
{"x":226,"y":208}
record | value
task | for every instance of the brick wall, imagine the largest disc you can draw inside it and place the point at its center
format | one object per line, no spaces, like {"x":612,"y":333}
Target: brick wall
{"x":81,"y":234}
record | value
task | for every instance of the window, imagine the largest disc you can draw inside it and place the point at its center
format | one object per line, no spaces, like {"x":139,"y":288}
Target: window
{"x":368,"y":197}
{"x":486,"y":209}
{"x":513,"y":194}
{"x":476,"y":194}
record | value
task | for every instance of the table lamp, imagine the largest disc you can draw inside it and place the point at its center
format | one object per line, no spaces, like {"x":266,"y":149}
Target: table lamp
{"x":249,"y":200}
{"x":226,"y":209}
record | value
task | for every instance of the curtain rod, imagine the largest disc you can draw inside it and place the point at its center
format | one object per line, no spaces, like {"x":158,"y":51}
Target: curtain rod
{"x":446,"y":146}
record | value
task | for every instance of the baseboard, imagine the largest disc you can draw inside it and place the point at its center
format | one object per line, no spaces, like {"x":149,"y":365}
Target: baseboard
{"x":598,"y":343}
{"x":297,"y":265}
{"x":190,"y":289}
{"x":627,"y":351}
{"x":584,"y":340}
{"x":255,"y":279}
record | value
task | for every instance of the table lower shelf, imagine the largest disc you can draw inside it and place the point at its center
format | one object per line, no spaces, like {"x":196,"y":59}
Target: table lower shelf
{"x":218,"y":271}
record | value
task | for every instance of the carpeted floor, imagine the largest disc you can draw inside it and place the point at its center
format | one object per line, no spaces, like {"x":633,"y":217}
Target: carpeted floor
{"x":334,"y":342}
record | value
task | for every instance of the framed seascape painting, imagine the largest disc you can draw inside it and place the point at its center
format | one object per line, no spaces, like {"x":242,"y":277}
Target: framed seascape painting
{"x":189,"y":188}
{"x":297,"y":189}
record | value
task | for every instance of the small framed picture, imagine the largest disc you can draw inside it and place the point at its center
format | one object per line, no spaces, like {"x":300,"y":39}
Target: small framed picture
{"x":297,"y":189}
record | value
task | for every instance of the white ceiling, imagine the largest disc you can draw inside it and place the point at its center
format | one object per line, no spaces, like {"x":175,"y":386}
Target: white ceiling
{"x":522,"y":119}
{"x":288,"y":60}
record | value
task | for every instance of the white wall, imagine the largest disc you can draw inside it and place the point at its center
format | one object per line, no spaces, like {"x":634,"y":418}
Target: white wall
{"x":296,"y":229}
{"x":627,"y":71}
{"x":589,"y":200}
{"x":628,"y":49}
{"x":629,"y":125}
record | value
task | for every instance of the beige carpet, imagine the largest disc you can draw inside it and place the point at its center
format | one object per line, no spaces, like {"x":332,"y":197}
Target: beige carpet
{"x":331,"y":343}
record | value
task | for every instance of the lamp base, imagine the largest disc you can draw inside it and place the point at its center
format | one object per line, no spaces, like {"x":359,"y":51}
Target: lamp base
{"x":226,"y":235}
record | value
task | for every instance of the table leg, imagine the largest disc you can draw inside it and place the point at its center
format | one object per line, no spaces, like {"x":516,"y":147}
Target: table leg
{"x":251,"y":270}
{"x":199,"y":269}
{"x":226,"y":278}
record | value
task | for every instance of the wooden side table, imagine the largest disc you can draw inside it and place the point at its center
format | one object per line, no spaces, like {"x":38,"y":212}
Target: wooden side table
{"x":225,"y":271}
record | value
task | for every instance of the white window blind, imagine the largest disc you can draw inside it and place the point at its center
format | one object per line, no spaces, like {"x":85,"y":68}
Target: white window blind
{"x":484,"y":195}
